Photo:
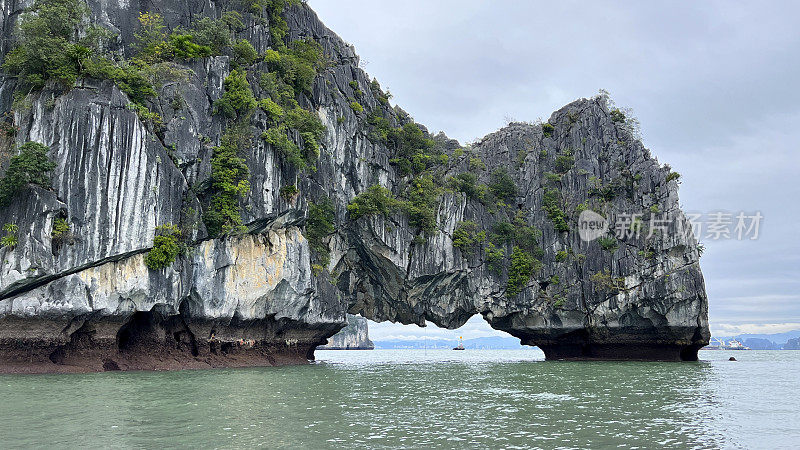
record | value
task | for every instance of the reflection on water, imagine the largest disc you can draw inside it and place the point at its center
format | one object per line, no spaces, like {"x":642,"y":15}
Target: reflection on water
{"x":417,"y":398}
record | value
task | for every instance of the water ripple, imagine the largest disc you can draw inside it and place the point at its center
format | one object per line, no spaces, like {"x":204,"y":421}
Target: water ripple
{"x":417,"y":398}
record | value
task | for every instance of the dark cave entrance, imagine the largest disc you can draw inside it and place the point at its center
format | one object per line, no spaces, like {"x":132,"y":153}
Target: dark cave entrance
{"x":139,"y":328}
{"x":145,"y":329}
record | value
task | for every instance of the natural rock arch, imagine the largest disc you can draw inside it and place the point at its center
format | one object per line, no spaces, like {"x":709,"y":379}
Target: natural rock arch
{"x":639,"y":297}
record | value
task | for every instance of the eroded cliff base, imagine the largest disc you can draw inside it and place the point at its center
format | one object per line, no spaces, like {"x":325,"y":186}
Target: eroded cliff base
{"x":108,"y":359}
{"x":650,"y":344}
{"x":147,"y":341}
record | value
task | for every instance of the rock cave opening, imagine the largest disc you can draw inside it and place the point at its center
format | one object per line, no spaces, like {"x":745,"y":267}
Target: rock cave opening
{"x":145,"y":329}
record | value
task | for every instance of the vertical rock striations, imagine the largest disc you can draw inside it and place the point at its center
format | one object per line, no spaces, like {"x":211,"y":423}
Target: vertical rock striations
{"x":388,"y":221}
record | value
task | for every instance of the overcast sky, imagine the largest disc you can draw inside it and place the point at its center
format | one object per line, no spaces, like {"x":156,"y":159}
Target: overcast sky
{"x":714,"y":85}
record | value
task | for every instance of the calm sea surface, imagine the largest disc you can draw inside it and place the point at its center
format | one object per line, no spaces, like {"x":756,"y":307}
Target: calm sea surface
{"x":418,"y":399}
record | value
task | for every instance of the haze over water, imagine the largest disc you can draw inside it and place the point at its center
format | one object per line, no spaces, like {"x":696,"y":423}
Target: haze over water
{"x":418,"y":398}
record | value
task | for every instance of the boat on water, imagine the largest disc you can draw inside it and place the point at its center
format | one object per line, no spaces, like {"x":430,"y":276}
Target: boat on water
{"x":460,"y":345}
{"x":733,"y":344}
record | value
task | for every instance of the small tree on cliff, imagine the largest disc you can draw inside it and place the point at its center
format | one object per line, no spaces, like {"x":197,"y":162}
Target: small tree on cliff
{"x":30,"y":166}
{"x":166,"y":247}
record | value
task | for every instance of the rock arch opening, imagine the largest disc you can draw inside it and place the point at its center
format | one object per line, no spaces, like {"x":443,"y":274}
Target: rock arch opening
{"x":476,"y":334}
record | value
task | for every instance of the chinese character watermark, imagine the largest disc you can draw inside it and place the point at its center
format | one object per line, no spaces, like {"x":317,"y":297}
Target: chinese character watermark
{"x":713,"y":226}
{"x":724,"y":225}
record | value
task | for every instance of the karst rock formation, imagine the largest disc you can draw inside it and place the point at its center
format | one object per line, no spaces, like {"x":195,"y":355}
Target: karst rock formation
{"x":297,"y":194}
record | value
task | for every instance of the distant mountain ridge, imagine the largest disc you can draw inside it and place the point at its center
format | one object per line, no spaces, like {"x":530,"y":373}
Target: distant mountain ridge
{"x":789,"y":340}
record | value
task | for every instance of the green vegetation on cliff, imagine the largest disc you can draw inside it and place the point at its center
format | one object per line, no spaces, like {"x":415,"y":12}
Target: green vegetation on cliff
{"x":309,"y":128}
{"x":60,"y":228}
{"x":520,"y":271}
{"x":297,"y":65}
{"x":129,"y":77}
{"x":244,"y":54}
{"x":467,"y":183}
{"x":320,"y":225}
{"x":356,"y":107}
{"x":547,"y":129}
{"x":495,"y":258}
{"x":564,"y":162}
{"x":61,"y":233}
{"x":502,"y":233}
{"x":604,"y":281}
{"x":289,"y":191}
{"x":48,"y":47}
{"x":414,"y":153}
{"x":10,"y":238}
{"x":467,"y":238}
{"x":216,"y":33}
{"x":383,"y":97}
{"x":525,"y":257}
{"x":237,"y":101}
{"x":278,"y":28}
{"x":206,"y":37}
{"x":293,"y":132}
{"x":292,"y":71}
{"x":502,"y":185}
{"x":551,"y":203}
{"x":608,"y":243}
{"x":229,"y":183}
{"x":30,"y":166}
{"x":376,"y":200}
{"x":155,"y":45}
{"x":166,"y":247}
{"x":55,"y":43}
{"x":422,"y":203}
{"x":527,"y":236}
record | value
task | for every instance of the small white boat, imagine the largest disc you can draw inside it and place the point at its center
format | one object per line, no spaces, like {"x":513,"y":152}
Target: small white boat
{"x":733,"y":344}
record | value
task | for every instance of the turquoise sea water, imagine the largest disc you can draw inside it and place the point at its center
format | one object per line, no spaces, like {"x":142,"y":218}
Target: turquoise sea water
{"x":418,"y":399}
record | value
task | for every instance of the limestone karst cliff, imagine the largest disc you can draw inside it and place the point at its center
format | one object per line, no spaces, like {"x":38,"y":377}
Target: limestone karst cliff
{"x":355,"y":336}
{"x":283,"y":191}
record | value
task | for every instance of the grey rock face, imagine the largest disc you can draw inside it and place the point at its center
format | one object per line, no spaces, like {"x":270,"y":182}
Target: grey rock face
{"x":355,"y":336}
{"x":660,"y":308}
{"x":88,"y":302}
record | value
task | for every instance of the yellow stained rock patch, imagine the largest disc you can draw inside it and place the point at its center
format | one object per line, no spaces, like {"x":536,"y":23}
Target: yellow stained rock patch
{"x":259,"y":264}
{"x":129,"y":275}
